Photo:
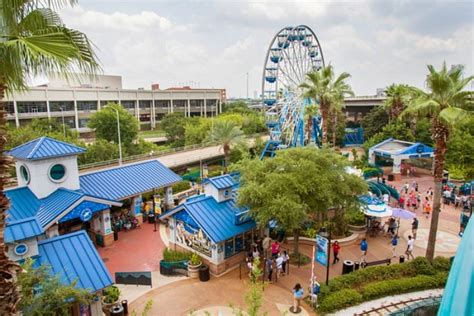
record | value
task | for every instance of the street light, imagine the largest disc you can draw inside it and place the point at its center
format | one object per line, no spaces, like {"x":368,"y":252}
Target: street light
{"x":64,"y":126}
{"x":118,"y":132}
{"x":324,"y":233}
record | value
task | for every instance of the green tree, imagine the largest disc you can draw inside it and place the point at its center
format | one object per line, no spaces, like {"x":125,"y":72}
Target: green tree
{"x":236,"y":107}
{"x":254,"y":295}
{"x":227,"y":134}
{"x":398,"y":97}
{"x":196,"y":130}
{"x":336,"y":122}
{"x":396,"y":129}
{"x":444,"y":104}
{"x":174,"y":126}
{"x":295,"y":184}
{"x":100,"y":150}
{"x":44,"y":294}
{"x":104,"y":122}
{"x":34,"y":42}
{"x":310,"y":111}
{"x":460,"y":148}
{"x":326,"y":89}
{"x":374,"y":121}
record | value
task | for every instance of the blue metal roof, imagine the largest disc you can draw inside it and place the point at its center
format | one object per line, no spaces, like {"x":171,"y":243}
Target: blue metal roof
{"x":458,"y":295}
{"x":23,"y":203}
{"x":216,"y":219}
{"x":125,"y":181}
{"x":22,"y":229}
{"x":221,"y":182}
{"x":55,"y":204}
{"x":44,"y":147}
{"x":74,"y":257}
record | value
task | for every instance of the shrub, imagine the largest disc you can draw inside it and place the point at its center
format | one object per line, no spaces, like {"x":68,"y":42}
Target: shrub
{"x":442,"y":264}
{"x":403,"y":285}
{"x":111,"y":294}
{"x":195,"y":259}
{"x":423,"y":266}
{"x":354,"y":217}
{"x":339,"y":300}
{"x":173,"y":255}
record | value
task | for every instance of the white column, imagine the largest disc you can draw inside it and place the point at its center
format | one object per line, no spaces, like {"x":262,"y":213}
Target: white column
{"x":76,"y":114}
{"x":171,"y":102}
{"x":189,"y":107}
{"x":371,"y":158}
{"x":15,"y":109}
{"x":105,"y":225}
{"x":98,"y":100}
{"x":397,"y":163}
{"x":169,"y":197}
{"x":205,"y":105}
{"x":152,"y":110}
{"x":47,"y":104}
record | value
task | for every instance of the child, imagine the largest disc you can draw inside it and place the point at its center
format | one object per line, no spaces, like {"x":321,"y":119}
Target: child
{"x":394,"y":245}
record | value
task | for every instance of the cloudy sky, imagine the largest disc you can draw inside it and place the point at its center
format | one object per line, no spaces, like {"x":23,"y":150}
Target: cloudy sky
{"x":215,"y":43}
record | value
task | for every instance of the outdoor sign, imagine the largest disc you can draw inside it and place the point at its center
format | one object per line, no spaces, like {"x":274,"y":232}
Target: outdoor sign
{"x":135,"y":278}
{"x":321,"y":250}
{"x":138,"y":204}
{"x":205,"y":171}
{"x":86,"y":215}
{"x":20,"y":249}
{"x":157,"y":201}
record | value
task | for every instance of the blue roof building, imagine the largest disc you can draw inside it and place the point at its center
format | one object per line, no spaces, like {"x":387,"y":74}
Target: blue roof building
{"x":398,"y":150}
{"x":212,"y":224}
{"x":52,"y":195}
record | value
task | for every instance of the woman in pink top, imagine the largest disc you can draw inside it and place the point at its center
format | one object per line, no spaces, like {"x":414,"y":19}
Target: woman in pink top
{"x":275,"y":248}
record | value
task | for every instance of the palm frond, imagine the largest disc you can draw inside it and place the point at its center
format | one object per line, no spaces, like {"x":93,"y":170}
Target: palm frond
{"x":452,"y":116}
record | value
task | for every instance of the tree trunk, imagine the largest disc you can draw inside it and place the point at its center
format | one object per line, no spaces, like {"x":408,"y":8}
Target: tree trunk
{"x":296,"y":242}
{"x":324,"y":114}
{"x":334,"y":129}
{"x":440,"y":136}
{"x":226,"y":148}
{"x":9,"y":294}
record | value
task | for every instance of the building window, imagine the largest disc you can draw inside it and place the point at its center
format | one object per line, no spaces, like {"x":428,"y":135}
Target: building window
{"x":180,"y":103}
{"x":57,"y":172}
{"x":104,"y":103}
{"x":70,"y":121}
{"x":56,"y":106}
{"x":128,"y":104}
{"x":239,"y":243}
{"x":87,"y":106}
{"x":32,"y":107}
{"x":229,"y":249}
{"x":164,"y":104}
{"x":25,"y":173}
{"x":9,"y":108}
{"x":83,"y":122}
{"x":144,"y":104}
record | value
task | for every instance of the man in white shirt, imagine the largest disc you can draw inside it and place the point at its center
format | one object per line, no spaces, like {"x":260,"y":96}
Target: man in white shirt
{"x":410,"y":245}
{"x":279,"y":264}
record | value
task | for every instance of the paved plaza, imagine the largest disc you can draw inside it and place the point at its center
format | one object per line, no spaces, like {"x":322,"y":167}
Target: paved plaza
{"x":141,"y":250}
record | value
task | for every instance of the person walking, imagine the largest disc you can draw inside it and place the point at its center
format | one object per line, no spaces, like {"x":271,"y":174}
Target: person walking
{"x":314,"y":290}
{"x":414,"y":227}
{"x":266,"y":243}
{"x":286,"y":261}
{"x":394,"y":243}
{"x":298,"y":293}
{"x":363,"y":248}
{"x":335,"y":250}
{"x":279,"y":265}
{"x":269,"y":268}
{"x":275,"y":249}
{"x":410,"y":245}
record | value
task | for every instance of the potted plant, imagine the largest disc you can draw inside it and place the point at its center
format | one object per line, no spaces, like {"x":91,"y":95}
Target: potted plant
{"x":193,"y":266}
{"x":110,"y":298}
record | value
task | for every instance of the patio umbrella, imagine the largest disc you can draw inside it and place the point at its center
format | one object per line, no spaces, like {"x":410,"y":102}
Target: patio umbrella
{"x":402,"y":213}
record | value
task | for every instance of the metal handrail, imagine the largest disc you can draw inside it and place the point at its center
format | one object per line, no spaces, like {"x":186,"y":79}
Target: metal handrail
{"x":406,"y":302}
{"x":156,"y":154}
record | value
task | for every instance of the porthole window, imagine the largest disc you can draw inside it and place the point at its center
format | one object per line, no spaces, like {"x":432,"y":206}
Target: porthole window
{"x":57,"y":172}
{"x":25,"y":174}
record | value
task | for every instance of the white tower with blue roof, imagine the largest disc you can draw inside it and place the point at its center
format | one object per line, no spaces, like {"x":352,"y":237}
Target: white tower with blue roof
{"x":45,"y":165}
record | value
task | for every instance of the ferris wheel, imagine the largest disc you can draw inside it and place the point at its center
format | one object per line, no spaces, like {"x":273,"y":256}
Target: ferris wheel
{"x":293,"y":52}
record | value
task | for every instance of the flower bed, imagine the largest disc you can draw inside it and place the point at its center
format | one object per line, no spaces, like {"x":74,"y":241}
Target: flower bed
{"x":374,"y":282}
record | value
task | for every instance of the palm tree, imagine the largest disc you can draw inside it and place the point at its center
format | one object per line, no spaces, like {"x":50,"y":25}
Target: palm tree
{"x":398,"y":97}
{"x":34,"y":42}
{"x":309,"y":112}
{"x":445,"y":104}
{"x":323,"y":87}
{"x":226,"y":133}
{"x":335,"y":111}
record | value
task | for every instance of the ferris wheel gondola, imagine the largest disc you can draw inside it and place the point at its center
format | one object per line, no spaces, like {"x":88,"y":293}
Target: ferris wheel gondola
{"x":293,"y":52}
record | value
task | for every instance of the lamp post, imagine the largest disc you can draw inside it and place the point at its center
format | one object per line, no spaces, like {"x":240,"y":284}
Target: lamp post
{"x":327,"y":234}
{"x":62,"y":115}
{"x":118,"y":132}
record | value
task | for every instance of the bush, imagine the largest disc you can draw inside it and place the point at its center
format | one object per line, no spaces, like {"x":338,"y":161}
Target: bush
{"x":354,"y":217}
{"x":442,"y":264}
{"x":195,"y":259}
{"x":173,"y":255}
{"x":111,"y":294}
{"x":423,"y":266}
{"x":404,"y":285}
{"x":339,"y":300}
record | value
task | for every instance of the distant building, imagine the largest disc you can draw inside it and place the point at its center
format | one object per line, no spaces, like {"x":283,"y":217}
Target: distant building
{"x":78,"y":98}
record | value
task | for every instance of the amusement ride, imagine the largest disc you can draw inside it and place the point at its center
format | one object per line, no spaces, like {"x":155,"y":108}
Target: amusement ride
{"x":293,"y":52}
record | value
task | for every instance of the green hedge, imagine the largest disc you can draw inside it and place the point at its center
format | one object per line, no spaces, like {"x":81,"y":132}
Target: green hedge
{"x":373,"y":282}
{"x":173,"y":255}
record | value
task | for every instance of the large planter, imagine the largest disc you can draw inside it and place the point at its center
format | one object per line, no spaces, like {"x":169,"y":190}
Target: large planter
{"x":193,"y":270}
{"x":107,"y":306}
{"x":357,"y":228}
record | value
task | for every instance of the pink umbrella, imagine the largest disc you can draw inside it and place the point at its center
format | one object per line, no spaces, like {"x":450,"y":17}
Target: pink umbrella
{"x":402,"y":213}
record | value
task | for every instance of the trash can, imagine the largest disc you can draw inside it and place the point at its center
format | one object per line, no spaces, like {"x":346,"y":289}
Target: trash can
{"x":151,"y":218}
{"x":116,"y":310}
{"x":204,"y":273}
{"x":125,"y":307}
{"x":402,"y":259}
{"x":383,"y":180}
{"x":347,"y":266}
{"x":390,"y":177}
{"x":356,"y":265}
